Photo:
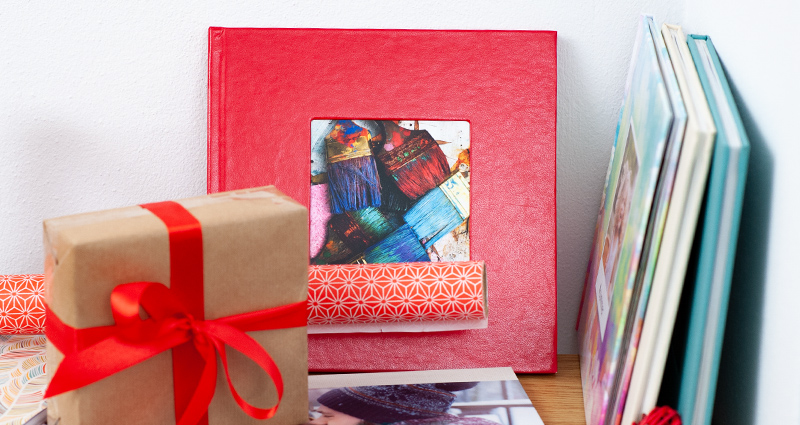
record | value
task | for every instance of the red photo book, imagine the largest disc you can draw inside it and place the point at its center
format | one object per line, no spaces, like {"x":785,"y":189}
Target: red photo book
{"x":270,"y":89}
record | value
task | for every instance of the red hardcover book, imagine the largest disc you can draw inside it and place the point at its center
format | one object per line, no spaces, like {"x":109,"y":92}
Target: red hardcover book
{"x":266,"y":86}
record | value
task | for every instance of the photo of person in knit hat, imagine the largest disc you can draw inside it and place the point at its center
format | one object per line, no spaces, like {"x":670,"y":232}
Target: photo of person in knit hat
{"x":416,"y":404}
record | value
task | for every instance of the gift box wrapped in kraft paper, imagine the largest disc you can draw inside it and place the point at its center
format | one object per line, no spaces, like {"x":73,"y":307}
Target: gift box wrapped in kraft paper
{"x":186,"y":312}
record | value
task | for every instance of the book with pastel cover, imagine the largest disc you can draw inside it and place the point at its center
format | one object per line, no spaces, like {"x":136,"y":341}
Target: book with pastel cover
{"x":613,"y":278}
{"x":386,"y":97}
{"x":657,"y":228}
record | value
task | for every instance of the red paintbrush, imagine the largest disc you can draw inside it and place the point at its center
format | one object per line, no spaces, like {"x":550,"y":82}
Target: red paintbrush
{"x":413,"y":159}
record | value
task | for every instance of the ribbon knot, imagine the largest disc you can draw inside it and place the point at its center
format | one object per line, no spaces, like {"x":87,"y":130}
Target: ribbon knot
{"x":196,"y":331}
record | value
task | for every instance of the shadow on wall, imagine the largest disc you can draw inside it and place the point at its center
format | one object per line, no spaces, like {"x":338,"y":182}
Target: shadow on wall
{"x":582,"y":164}
{"x":738,"y":375}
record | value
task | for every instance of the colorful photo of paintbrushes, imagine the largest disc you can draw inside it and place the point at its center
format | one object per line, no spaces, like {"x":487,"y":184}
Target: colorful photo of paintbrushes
{"x":413,"y":207}
{"x":440,"y":211}
{"x":362,"y":228}
{"x":401,"y":246}
{"x":334,"y":252}
{"x":352,"y":172}
{"x":413,"y":159}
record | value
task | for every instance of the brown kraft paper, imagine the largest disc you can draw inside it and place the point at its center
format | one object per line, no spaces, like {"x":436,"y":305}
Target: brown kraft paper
{"x":255,"y":256}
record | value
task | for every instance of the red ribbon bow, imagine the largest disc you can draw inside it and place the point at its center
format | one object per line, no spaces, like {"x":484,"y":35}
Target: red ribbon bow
{"x":95,"y":353}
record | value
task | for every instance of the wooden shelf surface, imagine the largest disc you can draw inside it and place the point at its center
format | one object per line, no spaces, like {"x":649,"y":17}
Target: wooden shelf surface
{"x":557,"y":397}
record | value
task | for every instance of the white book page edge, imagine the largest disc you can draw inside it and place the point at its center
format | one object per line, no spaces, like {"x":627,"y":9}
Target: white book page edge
{"x":411,"y":377}
{"x":421,"y":326}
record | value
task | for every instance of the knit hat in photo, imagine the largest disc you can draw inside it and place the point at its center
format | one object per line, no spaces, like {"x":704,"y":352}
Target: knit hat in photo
{"x":392,"y":403}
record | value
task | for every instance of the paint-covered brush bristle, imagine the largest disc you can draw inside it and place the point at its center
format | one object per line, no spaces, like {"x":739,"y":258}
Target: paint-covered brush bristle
{"x":391,"y":197}
{"x":354,"y":184}
{"x":376,"y":222}
{"x":440,"y":211}
{"x":352,"y":173}
{"x":362,"y":228}
{"x":401,"y":246}
{"x":334,"y":252}
{"x":413,"y":159}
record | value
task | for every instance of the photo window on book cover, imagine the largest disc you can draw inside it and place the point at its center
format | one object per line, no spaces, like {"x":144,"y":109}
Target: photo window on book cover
{"x":389,"y":191}
{"x":389,"y":228}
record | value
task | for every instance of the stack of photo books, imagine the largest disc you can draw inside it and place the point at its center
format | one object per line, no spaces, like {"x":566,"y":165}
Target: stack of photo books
{"x":655,"y":300}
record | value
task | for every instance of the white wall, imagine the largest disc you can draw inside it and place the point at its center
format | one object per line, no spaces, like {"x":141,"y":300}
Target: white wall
{"x":760,"y":371}
{"x":103,"y":105}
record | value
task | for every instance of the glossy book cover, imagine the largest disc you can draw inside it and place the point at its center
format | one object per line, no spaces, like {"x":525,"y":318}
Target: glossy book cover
{"x":656,"y":227}
{"x":642,"y":132}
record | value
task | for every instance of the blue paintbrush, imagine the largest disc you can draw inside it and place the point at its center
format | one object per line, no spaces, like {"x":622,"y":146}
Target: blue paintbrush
{"x":352,"y":174}
{"x":401,"y":246}
{"x":440,"y":211}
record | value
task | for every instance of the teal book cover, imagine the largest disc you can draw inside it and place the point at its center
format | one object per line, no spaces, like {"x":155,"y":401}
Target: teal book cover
{"x":706,"y":325}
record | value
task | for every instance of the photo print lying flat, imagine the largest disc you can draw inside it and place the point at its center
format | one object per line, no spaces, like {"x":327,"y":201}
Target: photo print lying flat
{"x":434,"y":397}
{"x":389,"y":191}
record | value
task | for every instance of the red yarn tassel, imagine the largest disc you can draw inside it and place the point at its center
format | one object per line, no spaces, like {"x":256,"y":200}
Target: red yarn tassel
{"x":663,"y":415}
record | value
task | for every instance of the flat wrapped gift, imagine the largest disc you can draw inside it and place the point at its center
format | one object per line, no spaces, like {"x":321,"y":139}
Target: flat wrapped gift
{"x":236,"y":265}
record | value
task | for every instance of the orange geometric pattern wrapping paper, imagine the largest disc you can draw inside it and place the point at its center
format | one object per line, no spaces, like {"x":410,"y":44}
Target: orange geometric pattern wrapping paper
{"x":337,"y":295}
{"x":396,"y":292}
{"x":22,"y":304}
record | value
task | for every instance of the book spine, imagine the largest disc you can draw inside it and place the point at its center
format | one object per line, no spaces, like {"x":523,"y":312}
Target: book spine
{"x":216,"y":110}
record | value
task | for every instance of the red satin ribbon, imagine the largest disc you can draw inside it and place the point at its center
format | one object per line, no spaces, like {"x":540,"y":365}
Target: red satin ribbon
{"x":92,"y":354}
